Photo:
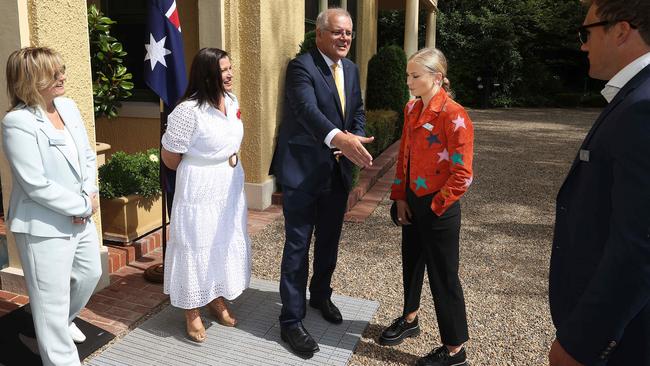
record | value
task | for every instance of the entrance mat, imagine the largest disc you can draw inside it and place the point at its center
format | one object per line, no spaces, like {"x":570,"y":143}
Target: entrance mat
{"x":255,"y":341}
{"x":18,"y":340}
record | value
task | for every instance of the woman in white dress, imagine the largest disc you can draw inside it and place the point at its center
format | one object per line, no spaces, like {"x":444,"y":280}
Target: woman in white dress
{"x":208,"y":254}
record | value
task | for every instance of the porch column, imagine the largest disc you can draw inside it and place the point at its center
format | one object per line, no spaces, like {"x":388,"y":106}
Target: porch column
{"x":322,"y":5}
{"x":431,"y":28}
{"x":366,"y":42}
{"x":344,"y":4}
{"x":411,"y":28}
{"x":211,"y":24}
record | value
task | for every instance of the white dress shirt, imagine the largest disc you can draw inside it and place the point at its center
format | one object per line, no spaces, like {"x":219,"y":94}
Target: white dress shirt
{"x":622,"y":77}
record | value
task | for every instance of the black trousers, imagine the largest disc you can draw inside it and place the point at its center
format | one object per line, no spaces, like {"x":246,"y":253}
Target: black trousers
{"x":432,"y":242}
{"x":305,"y":214}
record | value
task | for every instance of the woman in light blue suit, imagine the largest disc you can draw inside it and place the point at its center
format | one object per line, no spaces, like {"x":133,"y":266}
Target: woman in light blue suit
{"x":52,"y":199}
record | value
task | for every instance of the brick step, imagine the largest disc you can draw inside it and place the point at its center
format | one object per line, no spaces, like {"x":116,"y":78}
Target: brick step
{"x":121,"y":255}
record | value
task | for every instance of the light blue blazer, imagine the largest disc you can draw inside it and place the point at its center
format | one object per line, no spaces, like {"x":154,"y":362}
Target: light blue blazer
{"x":47,"y":188}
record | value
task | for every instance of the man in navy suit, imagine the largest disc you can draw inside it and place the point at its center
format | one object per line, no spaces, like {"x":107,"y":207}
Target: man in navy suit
{"x":320,"y":139}
{"x":599,"y":282}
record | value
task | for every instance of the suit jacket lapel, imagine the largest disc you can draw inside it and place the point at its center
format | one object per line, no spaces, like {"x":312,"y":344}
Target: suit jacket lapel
{"x":348,"y":78}
{"x":620,"y":96}
{"x":326,"y":72}
{"x":54,"y":134}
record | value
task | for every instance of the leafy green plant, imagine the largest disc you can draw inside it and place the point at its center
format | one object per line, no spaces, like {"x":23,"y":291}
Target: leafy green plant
{"x":111,"y":81}
{"x":126,"y":174}
{"x":386,"y":87}
{"x":308,"y":44}
{"x":383,"y":125}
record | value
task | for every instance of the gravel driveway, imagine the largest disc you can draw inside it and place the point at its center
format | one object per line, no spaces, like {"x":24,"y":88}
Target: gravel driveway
{"x":521,"y":158}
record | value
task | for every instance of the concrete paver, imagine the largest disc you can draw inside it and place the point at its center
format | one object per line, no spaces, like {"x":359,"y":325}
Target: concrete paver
{"x":161,"y":340}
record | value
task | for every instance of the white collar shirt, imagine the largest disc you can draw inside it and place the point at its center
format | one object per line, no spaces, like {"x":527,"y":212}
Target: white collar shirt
{"x":615,"y":84}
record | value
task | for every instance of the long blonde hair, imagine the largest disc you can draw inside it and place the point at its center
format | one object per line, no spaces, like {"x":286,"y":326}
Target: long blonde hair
{"x":30,"y":70}
{"x":435,"y":61}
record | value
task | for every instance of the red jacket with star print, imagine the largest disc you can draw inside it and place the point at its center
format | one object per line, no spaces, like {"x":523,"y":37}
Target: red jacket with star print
{"x":438,"y":144}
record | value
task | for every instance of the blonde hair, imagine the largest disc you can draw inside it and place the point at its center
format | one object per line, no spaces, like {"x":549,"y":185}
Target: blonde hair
{"x":433,"y":60}
{"x":30,"y":70}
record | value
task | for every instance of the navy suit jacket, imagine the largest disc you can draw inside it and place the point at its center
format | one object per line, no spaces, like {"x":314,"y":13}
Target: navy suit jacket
{"x":312,"y":109}
{"x":599,"y":282}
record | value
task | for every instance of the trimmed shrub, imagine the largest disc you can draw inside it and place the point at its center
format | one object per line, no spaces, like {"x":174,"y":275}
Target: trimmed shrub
{"x":386,"y":88}
{"x":125,"y":174}
{"x":382,"y":124}
{"x":308,"y":44}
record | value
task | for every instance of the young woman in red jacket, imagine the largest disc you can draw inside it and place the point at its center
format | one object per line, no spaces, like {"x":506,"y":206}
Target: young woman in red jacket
{"x":434,"y":169}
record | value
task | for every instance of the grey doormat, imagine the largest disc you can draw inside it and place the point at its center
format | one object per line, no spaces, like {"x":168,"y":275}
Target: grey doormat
{"x":161,"y":340}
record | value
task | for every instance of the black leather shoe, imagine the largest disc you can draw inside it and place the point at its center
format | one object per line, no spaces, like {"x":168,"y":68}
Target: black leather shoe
{"x":299,"y":340}
{"x":398,"y":331}
{"x":440,"y":357}
{"x":330,"y":312}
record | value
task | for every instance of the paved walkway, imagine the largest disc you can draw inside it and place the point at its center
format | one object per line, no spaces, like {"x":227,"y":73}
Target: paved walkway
{"x":161,"y":340}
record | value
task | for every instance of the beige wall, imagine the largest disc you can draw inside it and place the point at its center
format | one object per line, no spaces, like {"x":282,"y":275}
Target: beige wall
{"x":46,"y":19}
{"x":128,"y":134}
{"x":262,"y":37}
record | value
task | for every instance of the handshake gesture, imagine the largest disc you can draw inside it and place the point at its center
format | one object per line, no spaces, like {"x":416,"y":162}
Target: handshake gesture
{"x":351,"y":146}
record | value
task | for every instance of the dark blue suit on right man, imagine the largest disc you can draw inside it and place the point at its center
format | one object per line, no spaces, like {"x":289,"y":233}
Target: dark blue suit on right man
{"x":599,"y":281}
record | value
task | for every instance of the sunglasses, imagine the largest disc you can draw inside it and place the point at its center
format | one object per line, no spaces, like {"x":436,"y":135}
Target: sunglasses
{"x":583,"y":30}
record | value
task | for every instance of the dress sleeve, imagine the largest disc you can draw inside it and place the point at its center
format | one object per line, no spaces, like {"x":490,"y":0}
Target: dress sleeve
{"x":181,"y":125}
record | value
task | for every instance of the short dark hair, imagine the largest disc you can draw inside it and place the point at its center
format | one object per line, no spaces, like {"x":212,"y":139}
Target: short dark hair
{"x":205,"y":84}
{"x":635,"y":12}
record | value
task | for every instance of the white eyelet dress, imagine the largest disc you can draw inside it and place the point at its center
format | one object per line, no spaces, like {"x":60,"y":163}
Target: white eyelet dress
{"x":208,"y":252}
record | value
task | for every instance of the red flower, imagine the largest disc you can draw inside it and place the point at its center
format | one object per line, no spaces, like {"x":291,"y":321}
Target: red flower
{"x":238,"y":114}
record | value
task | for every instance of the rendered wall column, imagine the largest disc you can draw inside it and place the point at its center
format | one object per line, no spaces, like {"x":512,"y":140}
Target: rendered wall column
{"x":261,"y":56}
{"x":14,"y":27}
{"x":431,"y":28}
{"x":411,"y":28}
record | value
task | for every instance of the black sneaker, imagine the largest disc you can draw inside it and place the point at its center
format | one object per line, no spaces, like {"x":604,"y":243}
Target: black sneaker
{"x":440,"y":357}
{"x":398,"y":331}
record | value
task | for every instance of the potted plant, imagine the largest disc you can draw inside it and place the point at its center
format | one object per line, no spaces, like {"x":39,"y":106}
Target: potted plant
{"x":129,"y":191}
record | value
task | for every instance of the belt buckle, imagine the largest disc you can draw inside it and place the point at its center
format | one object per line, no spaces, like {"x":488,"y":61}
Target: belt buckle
{"x":234,"y":158}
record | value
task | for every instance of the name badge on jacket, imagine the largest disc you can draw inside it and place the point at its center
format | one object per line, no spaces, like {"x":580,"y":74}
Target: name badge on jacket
{"x":57,"y":142}
{"x":584,"y":155}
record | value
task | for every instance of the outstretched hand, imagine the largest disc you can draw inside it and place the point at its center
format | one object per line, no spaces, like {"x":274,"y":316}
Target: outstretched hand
{"x":351,"y":147}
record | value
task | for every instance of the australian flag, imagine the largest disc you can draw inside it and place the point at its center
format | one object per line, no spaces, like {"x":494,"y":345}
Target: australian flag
{"x":164,"y":69}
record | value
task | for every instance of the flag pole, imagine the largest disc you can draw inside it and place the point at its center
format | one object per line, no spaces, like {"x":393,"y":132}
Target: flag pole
{"x":156,"y":272}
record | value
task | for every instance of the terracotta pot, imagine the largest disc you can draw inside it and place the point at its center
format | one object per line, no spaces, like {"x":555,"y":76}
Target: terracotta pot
{"x":125,"y":219}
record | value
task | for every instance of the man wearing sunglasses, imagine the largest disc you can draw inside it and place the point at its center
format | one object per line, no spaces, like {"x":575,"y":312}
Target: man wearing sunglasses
{"x":599,"y":281}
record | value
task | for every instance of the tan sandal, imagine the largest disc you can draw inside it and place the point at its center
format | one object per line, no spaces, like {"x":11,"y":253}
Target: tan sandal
{"x":194,"y":331}
{"x":220,"y":310}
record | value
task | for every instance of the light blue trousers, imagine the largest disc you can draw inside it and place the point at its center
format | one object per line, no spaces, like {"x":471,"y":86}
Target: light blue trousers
{"x":61,"y":275}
